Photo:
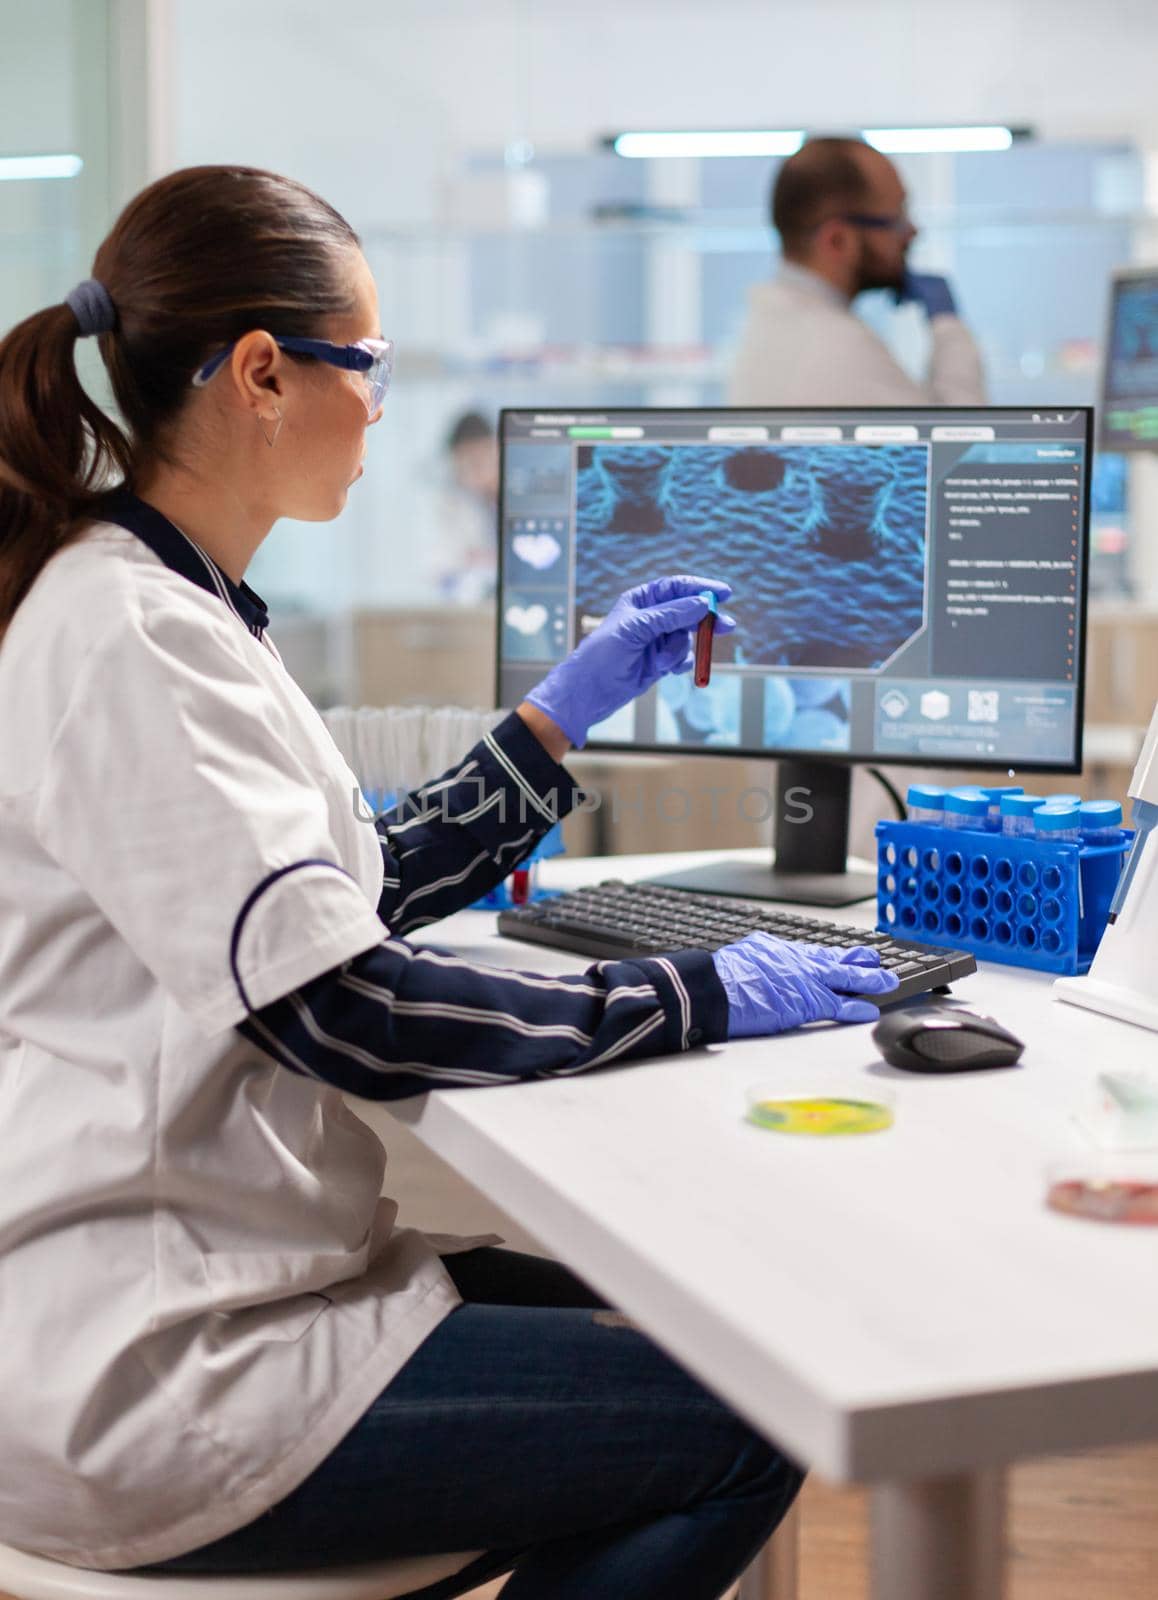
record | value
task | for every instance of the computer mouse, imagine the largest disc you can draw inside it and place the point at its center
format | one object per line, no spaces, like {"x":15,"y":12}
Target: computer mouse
{"x":929,"y":1039}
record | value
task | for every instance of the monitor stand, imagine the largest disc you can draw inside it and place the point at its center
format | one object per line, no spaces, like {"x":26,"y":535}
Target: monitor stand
{"x":809,"y":863}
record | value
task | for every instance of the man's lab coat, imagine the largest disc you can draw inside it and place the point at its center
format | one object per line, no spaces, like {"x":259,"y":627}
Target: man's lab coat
{"x":803,"y":346}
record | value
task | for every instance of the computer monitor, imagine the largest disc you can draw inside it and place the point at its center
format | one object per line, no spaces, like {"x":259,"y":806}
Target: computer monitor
{"x":909,"y":586}
{"x":1129,"y":417}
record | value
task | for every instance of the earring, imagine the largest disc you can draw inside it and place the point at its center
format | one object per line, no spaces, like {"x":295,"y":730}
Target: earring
{"x":277,"y":428}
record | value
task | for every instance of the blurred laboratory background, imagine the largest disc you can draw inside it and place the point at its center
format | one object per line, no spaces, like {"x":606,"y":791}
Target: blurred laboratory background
{"x":521,"y":261}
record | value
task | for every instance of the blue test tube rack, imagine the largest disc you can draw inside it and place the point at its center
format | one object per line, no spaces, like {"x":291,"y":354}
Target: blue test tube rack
{"x":1025,"y":902}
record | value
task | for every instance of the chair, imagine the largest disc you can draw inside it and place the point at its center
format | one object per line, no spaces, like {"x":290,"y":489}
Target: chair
{"x":772,"y":1576}
{"x":27,"y":1577}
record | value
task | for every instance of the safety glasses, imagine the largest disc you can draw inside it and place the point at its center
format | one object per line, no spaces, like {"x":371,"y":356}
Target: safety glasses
{"x":372,"y":359}
{"x":863,"y":219}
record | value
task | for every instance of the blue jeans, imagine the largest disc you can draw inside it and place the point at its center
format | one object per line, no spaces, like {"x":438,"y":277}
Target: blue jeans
{"x":536,"y":1425}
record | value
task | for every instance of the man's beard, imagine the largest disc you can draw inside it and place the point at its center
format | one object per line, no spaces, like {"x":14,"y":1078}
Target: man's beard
{"x":871,"y":274}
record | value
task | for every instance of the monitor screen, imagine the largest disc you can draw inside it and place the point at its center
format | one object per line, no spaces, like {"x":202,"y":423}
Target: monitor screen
{"x":1129,"y":419}
{"x":908,"y":585}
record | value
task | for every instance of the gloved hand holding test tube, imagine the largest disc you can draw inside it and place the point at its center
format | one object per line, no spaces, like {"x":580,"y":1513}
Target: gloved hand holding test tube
{"x":643,"y":637}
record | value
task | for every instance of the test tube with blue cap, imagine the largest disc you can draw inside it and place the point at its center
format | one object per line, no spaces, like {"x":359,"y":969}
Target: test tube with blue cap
{"x":967,"y":808}
{"x":1058,"y":823}
{"x":1017,"y":811}
{"x":1101,"y":821}
{"x":995,"y":796}
{"x":926,"y":802}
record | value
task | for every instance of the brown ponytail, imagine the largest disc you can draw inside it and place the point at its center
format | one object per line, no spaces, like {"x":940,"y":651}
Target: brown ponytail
{"x":193,"y":262}
{"x":57,"y":449}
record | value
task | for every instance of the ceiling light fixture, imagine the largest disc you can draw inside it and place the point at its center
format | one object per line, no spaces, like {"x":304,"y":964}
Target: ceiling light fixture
{"x":939,"y":141}
{"x":957,"y":140}
{"x":755,"y":142}
{"x":14,"y":169}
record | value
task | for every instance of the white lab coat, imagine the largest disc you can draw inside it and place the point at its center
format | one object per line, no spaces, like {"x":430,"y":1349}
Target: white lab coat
{"x":803,"y":346}
{"x":200,"y":1289}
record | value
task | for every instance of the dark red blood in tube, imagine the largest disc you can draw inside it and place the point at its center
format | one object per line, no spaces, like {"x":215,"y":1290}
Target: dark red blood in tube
{"x":520,"y":885}
{"x":703,"y":666}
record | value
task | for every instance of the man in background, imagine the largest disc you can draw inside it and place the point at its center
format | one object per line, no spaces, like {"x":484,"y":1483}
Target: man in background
{"x":465,"y":553}
{"x":839,"y":207}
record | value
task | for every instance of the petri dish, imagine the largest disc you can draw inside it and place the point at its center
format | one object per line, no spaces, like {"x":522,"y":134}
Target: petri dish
{"x":1121,"y":1188}
{"x":820,"y":1111}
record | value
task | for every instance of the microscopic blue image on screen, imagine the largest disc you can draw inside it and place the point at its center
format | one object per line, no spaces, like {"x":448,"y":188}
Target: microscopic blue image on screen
{"x":534,"y":628}
{"x":687,"y":715}
{"x":806,"y":714}
{"x":824,"y":545}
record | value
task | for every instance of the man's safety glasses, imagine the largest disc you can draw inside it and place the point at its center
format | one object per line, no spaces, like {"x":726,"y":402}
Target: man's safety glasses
{"x":868,"y":219}
{"x":372,"y":358}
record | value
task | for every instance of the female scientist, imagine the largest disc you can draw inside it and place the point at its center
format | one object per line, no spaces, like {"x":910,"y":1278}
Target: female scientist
{"x":217,"y":1352}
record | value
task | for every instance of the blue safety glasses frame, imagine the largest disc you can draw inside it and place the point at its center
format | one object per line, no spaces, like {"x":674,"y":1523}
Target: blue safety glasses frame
{"x":868,"y":219}
{"x":373,"y":358}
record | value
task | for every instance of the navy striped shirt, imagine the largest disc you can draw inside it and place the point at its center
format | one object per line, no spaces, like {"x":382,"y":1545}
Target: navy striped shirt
{"x":398,"y":1021}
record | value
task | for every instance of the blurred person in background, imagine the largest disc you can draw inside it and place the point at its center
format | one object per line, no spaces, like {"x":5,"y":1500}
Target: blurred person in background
{"x":840,"y":209}
{"x":466,"y":552}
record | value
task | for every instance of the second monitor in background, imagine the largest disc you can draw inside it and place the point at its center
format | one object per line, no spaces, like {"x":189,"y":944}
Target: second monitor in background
{"x":909,"y":587}
{"x":1129,"y":414}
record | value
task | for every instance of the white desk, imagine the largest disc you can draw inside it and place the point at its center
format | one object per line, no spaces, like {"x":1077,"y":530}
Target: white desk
{"x":898,"y":1309}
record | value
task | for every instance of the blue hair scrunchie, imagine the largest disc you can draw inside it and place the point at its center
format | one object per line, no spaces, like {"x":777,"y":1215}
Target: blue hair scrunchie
{"x":92,"y":306}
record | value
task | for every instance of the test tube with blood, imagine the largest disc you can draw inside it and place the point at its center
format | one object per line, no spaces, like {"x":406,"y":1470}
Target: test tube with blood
{"x":703,"y":657}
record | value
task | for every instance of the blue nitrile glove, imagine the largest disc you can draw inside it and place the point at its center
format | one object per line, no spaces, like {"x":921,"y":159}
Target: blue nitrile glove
{"x":645,"y":635}
{"x":931,"y":293}
{"x":775,"y":984}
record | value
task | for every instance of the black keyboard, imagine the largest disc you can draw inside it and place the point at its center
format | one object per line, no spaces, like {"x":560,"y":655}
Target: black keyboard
{"x":616,"y":921}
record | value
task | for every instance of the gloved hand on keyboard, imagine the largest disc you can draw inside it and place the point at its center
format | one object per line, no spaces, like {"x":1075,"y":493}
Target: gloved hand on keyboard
{"x":932,"y":293}
{"x":645,"y":635}
{"x":775,"y":984}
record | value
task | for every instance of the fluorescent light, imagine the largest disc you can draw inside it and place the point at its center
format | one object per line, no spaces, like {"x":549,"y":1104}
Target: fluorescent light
{"x":935,"y":141}
{"x":14,"y":168}
{"x":755,"y":142}
{"x":785,"y":141}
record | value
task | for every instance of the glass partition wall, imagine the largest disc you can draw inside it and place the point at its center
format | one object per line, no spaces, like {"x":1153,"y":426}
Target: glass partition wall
{"x":56,"y":131}
{"x":571,"y":277}
{"x":581,"y":279}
